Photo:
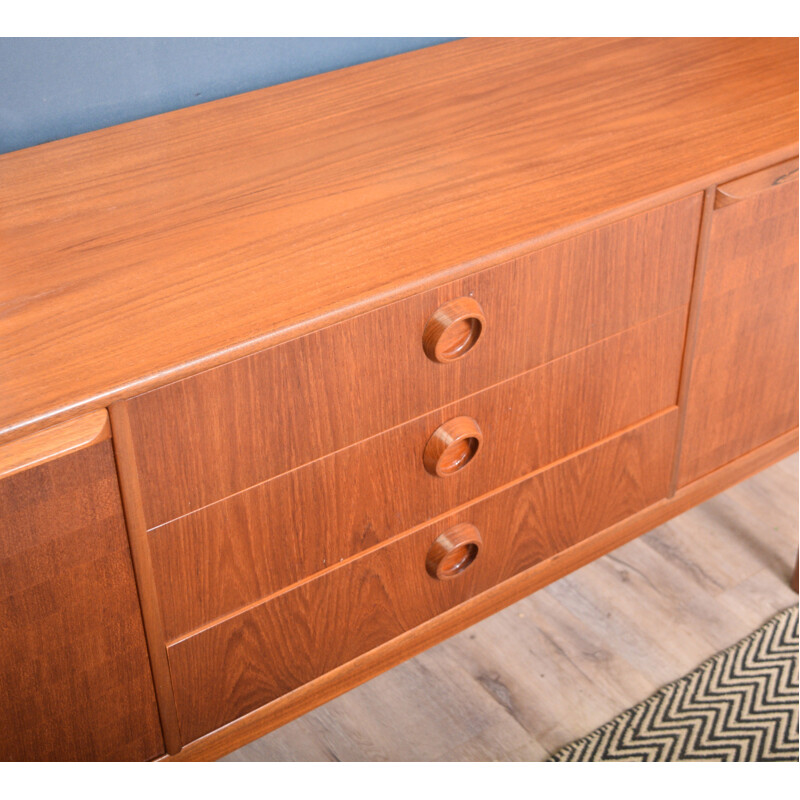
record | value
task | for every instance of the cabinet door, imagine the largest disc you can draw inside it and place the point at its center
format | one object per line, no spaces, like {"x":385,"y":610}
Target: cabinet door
{"x":743,"y":384}
{"x":75,"y":681}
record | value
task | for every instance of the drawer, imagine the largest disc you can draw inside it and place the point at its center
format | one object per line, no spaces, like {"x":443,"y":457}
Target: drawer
{"x":204,"y":438}
{"x":248,"y":660}
{"x":243,"y":548}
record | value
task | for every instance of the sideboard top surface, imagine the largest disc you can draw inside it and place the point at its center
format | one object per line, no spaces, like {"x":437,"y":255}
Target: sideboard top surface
{"x":138,"y":254}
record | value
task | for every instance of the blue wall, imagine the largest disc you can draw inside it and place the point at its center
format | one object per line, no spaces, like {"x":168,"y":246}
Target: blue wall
{"x":52,"y":88}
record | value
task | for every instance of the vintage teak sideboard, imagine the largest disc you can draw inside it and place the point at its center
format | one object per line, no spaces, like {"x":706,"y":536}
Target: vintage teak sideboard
{"x":297,"y":383}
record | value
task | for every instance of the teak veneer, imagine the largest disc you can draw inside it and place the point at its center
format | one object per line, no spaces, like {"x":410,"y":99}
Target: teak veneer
{"x":297,"y":383}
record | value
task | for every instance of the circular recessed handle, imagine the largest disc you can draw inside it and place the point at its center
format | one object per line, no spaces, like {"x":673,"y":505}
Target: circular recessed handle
{"x":453,"y":330}
{"x":452,"y":446}
{"x":453,"y":551}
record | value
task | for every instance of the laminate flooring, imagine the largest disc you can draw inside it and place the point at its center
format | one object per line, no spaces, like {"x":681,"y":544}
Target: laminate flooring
{"x":554,"y":666}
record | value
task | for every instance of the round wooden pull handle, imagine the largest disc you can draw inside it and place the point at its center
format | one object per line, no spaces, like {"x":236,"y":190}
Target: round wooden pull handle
{"x":452,"y":446}
{"x":453,"y":330}
{"x":453,"y":551}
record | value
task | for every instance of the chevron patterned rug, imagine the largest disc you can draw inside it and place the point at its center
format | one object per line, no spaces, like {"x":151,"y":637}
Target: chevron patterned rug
{"x":740,"y":705}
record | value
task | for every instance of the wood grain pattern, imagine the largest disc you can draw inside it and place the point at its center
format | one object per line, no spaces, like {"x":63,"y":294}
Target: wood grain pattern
{"x":744,"y":384}
{"x":756,"y":182}
{"x":214,"y":434}
{"x":259,"y":655}
{"x":52,"y":443}
{"x":384,"y":657}
{"x":142,"y":253}
{"x":75,"y":681}
{"x":752,"y":240}
{"x":241,"y":549}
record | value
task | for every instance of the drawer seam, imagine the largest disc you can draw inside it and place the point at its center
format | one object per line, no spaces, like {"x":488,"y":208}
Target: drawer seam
{"x":410,"y":531}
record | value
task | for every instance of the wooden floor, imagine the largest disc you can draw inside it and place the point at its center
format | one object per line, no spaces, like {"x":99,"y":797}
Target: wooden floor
{"x":554,"y":666}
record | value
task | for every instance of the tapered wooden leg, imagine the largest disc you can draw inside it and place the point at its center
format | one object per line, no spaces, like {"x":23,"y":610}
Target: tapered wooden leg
{"x":794,"y":577}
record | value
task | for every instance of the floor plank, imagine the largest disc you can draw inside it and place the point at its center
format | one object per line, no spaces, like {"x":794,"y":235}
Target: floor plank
{"x":559,"y":663}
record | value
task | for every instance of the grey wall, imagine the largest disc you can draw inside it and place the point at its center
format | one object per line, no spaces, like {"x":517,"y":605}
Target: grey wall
{"x":52,"y":88}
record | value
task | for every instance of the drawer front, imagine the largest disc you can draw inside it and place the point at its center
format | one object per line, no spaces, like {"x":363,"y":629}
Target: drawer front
{"x":743,"y":387}
{"x":248,"y":546}
{"x":75,"y":681}
{"x":217,"y":433}
{"x":248,"y":660}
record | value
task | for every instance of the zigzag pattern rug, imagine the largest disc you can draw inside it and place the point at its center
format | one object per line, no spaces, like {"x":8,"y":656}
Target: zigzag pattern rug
{"x":740,"y":705}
